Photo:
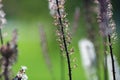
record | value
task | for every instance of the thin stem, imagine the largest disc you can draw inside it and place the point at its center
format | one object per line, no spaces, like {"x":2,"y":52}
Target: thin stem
{"x":64,"y":42}
{"x":6,"y":70}
{"x":1,"y":38}
{"x":105,"y":61}
{"x":112,"y":57}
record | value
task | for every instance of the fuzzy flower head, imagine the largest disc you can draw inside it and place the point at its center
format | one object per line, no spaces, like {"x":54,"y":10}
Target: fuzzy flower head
{"x":57,"y":11}
{"x":106,"y":23}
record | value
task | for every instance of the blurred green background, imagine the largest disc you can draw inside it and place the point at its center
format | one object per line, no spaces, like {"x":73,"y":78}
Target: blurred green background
{"x":26,"y":15}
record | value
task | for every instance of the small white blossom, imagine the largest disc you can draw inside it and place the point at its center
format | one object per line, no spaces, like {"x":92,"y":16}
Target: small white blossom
{"x":24,"y":77}
{"x":21,"y":74}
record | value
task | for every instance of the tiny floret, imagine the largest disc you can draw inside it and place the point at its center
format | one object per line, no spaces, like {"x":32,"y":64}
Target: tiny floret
{"x":21,"y":74}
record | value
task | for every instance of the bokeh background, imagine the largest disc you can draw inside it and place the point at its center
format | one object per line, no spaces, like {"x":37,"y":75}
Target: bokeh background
{"x":26,"y":16}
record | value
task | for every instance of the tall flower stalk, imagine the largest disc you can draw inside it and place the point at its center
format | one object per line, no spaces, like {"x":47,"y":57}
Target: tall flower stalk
{"x":58,"y":13}
{"x":45,"y":51}
{"x":1,"y":38}
{"x":8,"y":51}
{"x":107,"y":27}
{"x":9,"y":55}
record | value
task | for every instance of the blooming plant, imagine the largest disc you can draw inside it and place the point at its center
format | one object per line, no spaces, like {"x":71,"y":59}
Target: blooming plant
{"x":58,"y":12}
{"x":107,"y":27}
{"x":8,"y":51}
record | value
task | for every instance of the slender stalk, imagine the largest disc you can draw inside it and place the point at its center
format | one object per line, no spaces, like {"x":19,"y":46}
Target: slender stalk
{"x":112,"y":58}
{"x":6,"y":70}
{"x":105,"y":59}
{"x":105,"y":67}
{"x":45,"y":51}
{"x":64,"y":42}
{"x":107,"y":26}
{"x":1,"y":38}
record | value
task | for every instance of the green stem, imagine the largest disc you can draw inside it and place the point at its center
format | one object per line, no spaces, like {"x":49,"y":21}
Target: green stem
{"x":1,"y":38}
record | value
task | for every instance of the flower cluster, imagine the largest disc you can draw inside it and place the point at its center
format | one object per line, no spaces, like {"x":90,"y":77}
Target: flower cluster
{"x":8,"y":53}
{"x":58,"y":12}
{"x":9,"y":50}
{"x":107,"y":25}
{"x":107,"y":28}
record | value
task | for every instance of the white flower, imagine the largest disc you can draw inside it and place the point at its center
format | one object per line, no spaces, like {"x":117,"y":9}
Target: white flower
{"x":24,"y":77}
{"x":21,"y":74}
